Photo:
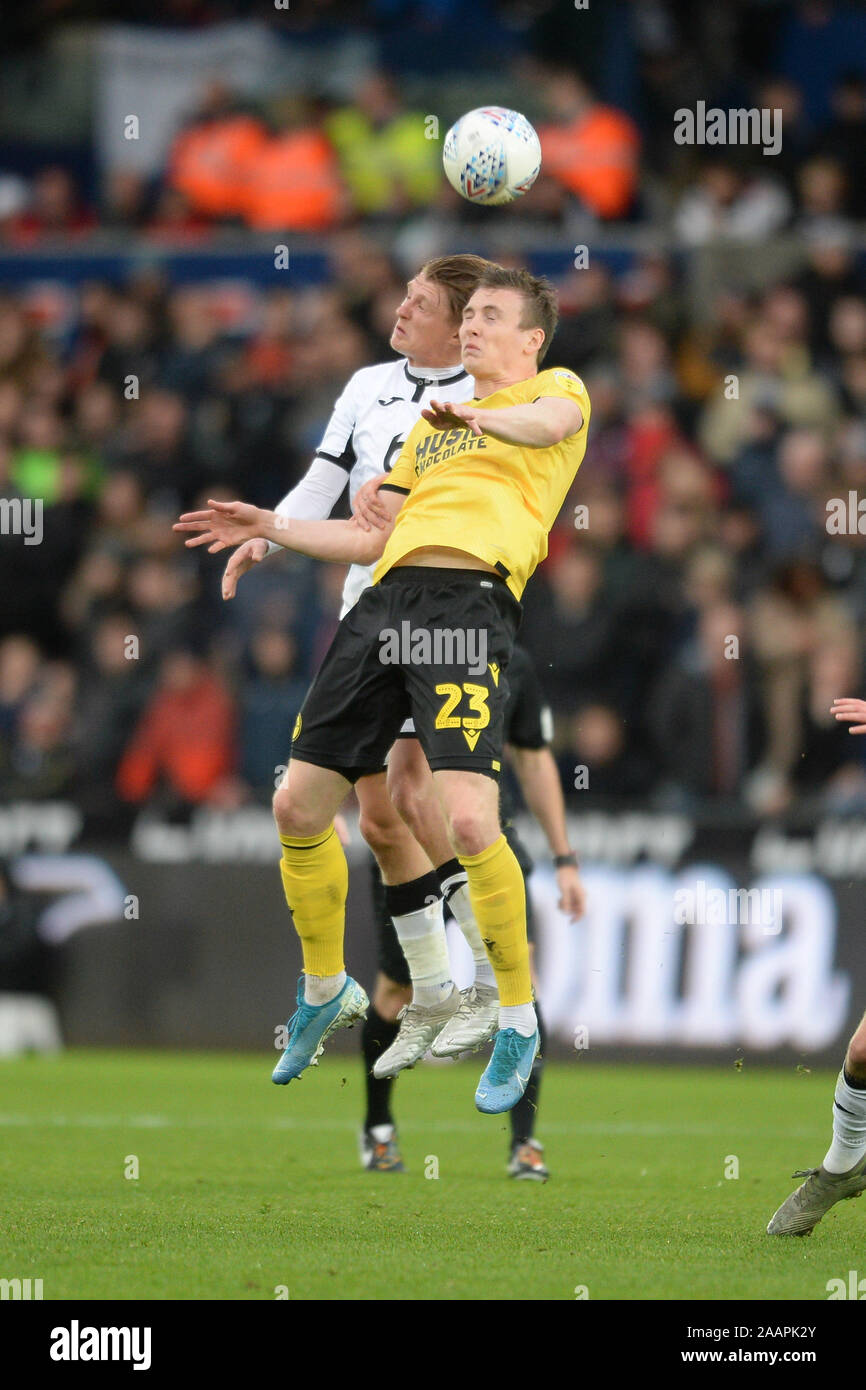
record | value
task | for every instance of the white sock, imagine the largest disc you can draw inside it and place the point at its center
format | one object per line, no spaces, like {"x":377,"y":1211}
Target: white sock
{"x":849,"y":1128}
{"x":321,"y":989}
{"x":456,"y":890}
{"x":519,"y":1016}
{"x":422,"y":939}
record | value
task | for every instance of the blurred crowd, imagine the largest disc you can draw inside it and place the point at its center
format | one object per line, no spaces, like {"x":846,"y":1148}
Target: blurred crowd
{"x":702,"y":603}
{"x":603,"y":88}
{"x":701,"y":606}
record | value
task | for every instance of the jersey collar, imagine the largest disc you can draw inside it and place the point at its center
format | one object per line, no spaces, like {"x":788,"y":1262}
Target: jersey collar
{"x":441,"y":376}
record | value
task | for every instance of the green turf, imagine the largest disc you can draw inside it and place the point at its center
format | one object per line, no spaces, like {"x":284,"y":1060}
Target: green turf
{"x":244,"y":1186}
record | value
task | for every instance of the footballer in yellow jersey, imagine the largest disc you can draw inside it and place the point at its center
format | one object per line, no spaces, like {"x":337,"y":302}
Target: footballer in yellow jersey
{"x":482,"y":495}
{"x":473,"y":495}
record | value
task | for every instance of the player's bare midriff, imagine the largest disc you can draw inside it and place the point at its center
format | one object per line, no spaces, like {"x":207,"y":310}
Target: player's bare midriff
{"x":443,"y":557}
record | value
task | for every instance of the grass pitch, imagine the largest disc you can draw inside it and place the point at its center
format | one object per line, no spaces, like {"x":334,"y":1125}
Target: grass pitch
{"x":244,"y":1188}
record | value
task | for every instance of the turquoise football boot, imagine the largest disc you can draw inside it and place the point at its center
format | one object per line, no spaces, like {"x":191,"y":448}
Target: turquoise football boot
{"x":508,"y":1071}
{"x":313,"y":1023}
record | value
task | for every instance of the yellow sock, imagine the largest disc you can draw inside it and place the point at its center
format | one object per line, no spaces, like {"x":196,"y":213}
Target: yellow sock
{"x":498,"y":897}
{"x":316,"y":883}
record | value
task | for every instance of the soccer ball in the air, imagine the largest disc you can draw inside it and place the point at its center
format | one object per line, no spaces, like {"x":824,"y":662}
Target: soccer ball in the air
{"x":491,"y":155}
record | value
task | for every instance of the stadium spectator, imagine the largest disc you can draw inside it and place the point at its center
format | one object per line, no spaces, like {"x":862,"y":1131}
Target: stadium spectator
{"x":54,"y":210}
{"x":844,"y":138}
{"x":705,"y":721}
{"x":788,"y":621}
{"x":599,"y":763}
{"x":729,"y":202}
{"x":291,"y":179}
{"x":182,"y":750}
{"x":269,"y":701}
{"x":211,"y":158}
{"x":589,"y":148}
{"x":570,"y":627}
{"x":388,"y":160}
{"x":111,"y":697}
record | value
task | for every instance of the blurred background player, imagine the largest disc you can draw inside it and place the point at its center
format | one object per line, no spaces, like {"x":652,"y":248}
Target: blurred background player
{"x":528,"y":730}
{"x":842,"y":1173}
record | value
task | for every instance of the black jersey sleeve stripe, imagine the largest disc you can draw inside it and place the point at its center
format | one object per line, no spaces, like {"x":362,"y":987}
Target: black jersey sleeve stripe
{"x":345,"y":460}
{"x":392,"y":487}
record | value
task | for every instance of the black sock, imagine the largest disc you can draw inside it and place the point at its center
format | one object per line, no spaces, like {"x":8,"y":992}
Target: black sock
{"x":852,"y":1081}
{"x":524,"y":1112}
{"x":377,"y":1036}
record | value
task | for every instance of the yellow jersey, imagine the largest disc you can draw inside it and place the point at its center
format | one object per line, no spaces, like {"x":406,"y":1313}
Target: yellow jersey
{"x":474,"y":493}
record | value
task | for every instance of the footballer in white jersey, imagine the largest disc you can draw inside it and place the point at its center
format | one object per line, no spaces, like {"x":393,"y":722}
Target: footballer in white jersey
{"x":365,"y":433}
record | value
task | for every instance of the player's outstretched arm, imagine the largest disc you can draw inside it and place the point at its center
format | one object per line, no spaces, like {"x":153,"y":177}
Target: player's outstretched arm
{"x":852,"y":711}
{"x":542,"y":791}
{"x":312,"y":498}
{"x":540,"y":425}
{"x":224,"y":524}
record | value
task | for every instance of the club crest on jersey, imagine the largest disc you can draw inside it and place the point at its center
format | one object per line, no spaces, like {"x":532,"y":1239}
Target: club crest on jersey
{"x":573,"y":382}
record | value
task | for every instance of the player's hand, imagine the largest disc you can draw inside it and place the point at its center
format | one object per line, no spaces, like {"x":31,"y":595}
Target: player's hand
{"x":222,"y":525}
{"x":445,"y":415}
{"x":572,"y":894}
{"x":853,"y":711}
{"x":368,"y":511}
{"x":249,"y":554}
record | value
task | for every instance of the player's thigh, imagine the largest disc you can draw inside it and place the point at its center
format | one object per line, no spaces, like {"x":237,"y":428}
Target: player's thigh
{"x":357,"y":702}
{"x":458,"y":697}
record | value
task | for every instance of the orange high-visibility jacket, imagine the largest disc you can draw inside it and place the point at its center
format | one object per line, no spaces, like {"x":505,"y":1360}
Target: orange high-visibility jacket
{"x":596,"y":157}
{"x":293,"y":184}
{"x":209,"y":163}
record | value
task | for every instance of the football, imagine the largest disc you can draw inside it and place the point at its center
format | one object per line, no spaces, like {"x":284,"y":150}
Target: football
{"x":491,"y":155}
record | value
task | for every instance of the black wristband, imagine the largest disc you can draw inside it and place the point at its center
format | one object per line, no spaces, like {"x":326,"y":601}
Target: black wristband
{"x":565,"y":861}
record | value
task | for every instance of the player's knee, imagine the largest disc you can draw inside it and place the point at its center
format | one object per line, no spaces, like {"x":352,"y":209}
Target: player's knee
{"x":295,"y":817}
{"x":469,"y":830}
{"x":857,"y":1052}
{"x":380,"y":830}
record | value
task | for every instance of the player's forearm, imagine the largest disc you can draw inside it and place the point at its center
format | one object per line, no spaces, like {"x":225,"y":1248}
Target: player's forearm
{"x":314,"y":496}
{"x":542,"y":791}
{"x":531,"y":426}
{"x":341,"y":541}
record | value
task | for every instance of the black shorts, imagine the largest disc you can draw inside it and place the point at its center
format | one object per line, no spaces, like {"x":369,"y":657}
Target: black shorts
{"x":428,"y":644}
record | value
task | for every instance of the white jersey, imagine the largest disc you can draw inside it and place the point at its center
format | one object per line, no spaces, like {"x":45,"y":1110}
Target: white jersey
{"x":368,"y":428}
